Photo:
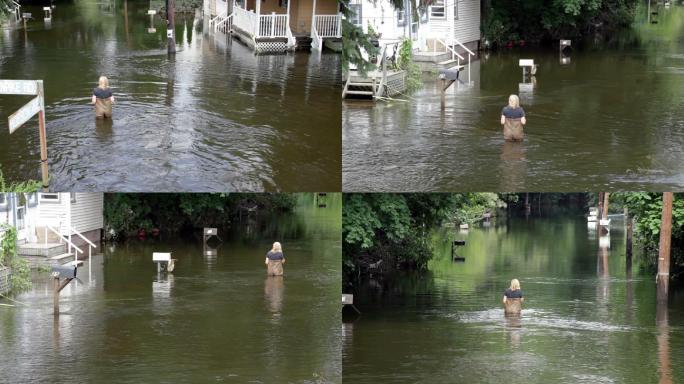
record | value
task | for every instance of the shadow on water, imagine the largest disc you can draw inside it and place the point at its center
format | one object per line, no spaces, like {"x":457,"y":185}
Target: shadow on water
{"x":609,"y":117}
{"x":587,"y":318}
{"x":213,"y":117}
{"x":215,"y":318}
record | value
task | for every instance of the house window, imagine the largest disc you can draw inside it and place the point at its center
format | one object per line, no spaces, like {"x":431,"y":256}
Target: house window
{"x":456,"y":9}
{"x":3,"y":201}
{"x":401,"y":18}
{"x":73,"y":196}
{"x":356,"y":17}
{"x":49,"y":197}
{"x":437,"y":10}
{"x":282,"y":3}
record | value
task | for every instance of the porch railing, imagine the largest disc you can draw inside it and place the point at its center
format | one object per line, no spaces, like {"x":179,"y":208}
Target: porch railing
{"x":327,"y":26}
{"x":273,"y":25}
{"x":245,"y":20}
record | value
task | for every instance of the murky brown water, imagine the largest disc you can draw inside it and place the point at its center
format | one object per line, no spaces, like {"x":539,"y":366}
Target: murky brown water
{"x":216,"y":117}
{"x":586,"y":319}
{"x":217,"y":318}
{"x":611,"y":118}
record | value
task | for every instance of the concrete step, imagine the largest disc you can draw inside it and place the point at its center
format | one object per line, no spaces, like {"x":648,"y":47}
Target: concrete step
{"x":41,"y":249}
{"x":360,"y":84}
{"x":367,"y":93}
{"x":64,"y":258}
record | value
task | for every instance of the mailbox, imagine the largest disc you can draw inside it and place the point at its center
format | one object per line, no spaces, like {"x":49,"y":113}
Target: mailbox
{"x":210,"y":232}
{"x":26,"y":15}
{"x":448,"y":74}
{"x":458,"y":243}
{"x":151,"y":12}
{"x":159,"y":257}
{"x":65,"y":271}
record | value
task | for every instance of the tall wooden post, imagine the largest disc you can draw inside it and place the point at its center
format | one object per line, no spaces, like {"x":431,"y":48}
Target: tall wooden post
{"x":600,"y":205}
{"x":605,"y":204}
{"x":663,"y":278}
{"x":628,"y":258}
{"x":55,"y":296}
{"x":170,"y":25}
{"x":43,"y":138}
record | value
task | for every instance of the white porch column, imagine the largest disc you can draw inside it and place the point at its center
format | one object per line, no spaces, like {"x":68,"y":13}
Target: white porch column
{"x":313,"y":16}
{"x":258,"y":19}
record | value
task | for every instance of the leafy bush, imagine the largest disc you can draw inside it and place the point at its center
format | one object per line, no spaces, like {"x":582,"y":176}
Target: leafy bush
{"x":21,"y":272}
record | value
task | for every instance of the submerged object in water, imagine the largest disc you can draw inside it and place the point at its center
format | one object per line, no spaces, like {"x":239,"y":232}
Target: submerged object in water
{"x":512,"y":306}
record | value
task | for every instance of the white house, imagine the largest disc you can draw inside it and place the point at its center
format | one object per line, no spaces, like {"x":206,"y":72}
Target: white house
{"x":445,"y":22}
{"x":68,"y":214}
{"x":276,"y":25}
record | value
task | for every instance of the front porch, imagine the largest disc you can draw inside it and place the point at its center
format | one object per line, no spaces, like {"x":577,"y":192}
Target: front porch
{"x":280,"y":25}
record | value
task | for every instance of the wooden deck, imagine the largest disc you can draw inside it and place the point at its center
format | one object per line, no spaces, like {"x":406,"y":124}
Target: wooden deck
{"x":375,"y":84}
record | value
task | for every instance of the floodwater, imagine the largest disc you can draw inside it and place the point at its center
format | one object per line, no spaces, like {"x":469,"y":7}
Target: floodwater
{"x":217,"y":318}
{"x":611,"y":118}
{"x":214,"y":118}
{"x":585,"y":318}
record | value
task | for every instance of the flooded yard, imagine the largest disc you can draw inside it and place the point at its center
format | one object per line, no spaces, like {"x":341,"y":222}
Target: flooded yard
{"x":217,"y":318}
{"x":216,"y":117}
{"x":586,"y":318}
{"x":609,"y":117}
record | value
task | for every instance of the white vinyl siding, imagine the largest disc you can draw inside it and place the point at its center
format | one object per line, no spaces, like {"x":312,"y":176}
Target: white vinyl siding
{"x":87,"y":212}
{"x":467,"y":27}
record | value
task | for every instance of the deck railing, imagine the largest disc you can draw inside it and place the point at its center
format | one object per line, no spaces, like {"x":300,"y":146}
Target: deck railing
{"x":273,"y":25}
{"x":245,"y":20}
{"x":328,"y":25}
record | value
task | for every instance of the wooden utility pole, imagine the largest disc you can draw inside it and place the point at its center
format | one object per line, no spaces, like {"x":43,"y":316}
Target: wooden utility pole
{"x":663,"y":277}
{"x":170,"y":33}
{"x":605,"y":205}
{"x":628,"y":258}
{"x":600,"y":205}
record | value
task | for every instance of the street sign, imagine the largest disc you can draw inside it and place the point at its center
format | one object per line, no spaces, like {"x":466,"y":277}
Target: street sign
{"x":18,"y":87}
{"x":24,"y":114}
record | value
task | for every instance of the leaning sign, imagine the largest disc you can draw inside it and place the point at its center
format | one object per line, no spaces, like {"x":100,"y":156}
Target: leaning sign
{"x":25,"y":113}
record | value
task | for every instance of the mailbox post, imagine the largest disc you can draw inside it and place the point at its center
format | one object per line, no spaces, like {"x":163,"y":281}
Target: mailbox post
{"x":66,"y":272}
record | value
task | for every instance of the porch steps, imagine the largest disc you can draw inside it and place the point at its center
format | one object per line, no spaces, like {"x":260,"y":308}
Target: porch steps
{"x":355,"y":88}
{"x":64,"y":258}
{"x":303,"y":43}
{"x":41,"y":249}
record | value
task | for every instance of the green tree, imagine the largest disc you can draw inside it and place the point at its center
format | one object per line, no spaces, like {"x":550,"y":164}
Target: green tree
{"x":396,"y":228}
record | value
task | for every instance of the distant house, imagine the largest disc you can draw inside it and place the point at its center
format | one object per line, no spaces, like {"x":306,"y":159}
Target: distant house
{"x":448,"y":21}
{"x":276,"y":25}
{"x":46,"y":222}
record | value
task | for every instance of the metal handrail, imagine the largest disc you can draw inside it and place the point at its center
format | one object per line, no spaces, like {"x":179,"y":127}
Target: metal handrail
{"x":453,"y":52}
{"x":471,"y":53}
{"x":83,"y":237}
{"x":47,"y":226}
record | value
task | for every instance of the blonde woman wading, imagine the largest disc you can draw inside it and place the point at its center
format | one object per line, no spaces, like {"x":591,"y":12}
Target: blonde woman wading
{"x":513,"y":119}
{"x":275,"y":260}
{"x":513,"y":298}
{"x":103,"y":98}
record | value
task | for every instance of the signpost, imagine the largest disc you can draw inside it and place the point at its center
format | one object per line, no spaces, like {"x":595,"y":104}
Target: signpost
{"x":25,"y":113}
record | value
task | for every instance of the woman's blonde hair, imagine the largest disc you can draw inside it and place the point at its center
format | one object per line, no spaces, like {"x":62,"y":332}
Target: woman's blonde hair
{"x":277,"y":247}
{"x":515,"y":285}
{"x":514,"y":101}
{"x":103,"y":82}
